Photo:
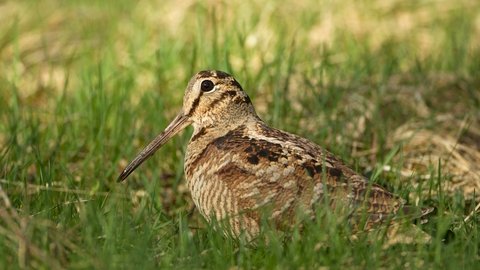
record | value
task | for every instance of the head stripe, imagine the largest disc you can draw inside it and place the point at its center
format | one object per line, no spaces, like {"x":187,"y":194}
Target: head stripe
{"x":195,"y":104}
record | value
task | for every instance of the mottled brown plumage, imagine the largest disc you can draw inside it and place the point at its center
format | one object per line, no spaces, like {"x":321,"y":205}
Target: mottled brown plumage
{"x":237,"y":168}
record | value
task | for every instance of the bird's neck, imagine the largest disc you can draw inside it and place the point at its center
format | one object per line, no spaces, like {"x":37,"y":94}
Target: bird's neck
{"x":226,"y":116}
{"x":216,"y":127}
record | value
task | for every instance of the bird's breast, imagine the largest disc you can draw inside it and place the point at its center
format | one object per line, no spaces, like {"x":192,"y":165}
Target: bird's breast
{"x":210,"y":194}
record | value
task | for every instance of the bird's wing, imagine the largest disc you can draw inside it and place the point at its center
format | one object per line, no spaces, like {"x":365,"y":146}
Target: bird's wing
{"x":280,"y":173}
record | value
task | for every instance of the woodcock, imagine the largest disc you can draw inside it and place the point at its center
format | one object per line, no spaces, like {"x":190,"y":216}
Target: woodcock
{"x":238,"y":169}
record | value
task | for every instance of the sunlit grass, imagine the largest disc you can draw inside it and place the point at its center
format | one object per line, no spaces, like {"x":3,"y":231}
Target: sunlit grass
{"x":391,"y":87}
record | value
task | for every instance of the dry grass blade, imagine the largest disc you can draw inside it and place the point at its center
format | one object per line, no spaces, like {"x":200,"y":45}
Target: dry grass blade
{"x":476,"y":210}
{"x":423,"y":148}
{"x":15,"y":229}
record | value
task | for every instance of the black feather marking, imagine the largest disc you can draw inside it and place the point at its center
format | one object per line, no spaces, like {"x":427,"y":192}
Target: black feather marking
{"x":253,"y":159}
{"x":198,"y":135}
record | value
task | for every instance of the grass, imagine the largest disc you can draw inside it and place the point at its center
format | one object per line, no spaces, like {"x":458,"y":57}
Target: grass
{"x":391,"y":87}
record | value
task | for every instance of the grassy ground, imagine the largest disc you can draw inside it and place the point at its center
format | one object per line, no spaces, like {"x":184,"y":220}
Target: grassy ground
{"x":392,"y":87}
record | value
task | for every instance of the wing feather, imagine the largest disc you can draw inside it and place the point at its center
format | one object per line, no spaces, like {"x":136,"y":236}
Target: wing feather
{"x":279,"y":172}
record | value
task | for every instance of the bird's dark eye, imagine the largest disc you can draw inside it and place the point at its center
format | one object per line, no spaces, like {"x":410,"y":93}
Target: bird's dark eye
{"x":207,"y":86}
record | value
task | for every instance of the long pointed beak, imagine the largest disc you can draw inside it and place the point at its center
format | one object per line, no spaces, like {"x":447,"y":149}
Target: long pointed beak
{"x":179,"y":123}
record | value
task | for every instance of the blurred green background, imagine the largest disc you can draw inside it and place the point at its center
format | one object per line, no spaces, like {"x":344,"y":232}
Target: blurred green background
{"x":392,"y":87}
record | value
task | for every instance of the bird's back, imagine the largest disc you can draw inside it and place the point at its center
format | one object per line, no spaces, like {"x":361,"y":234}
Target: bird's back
{"x":254,"y":170}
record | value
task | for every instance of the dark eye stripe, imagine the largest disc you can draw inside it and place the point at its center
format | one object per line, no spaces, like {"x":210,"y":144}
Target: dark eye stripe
{"x":195,"y":104}
{"x":224,"y":95}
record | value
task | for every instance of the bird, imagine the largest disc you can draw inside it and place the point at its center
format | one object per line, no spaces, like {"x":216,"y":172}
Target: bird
{"x":240,"y":171}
